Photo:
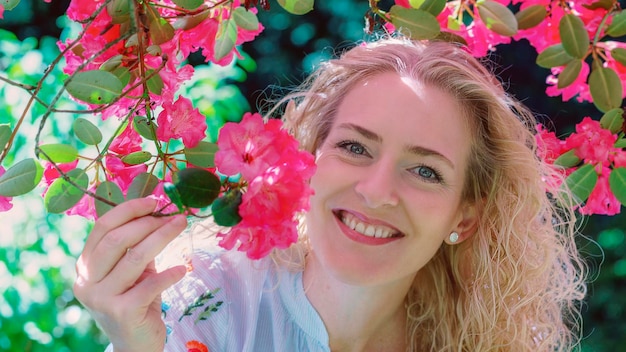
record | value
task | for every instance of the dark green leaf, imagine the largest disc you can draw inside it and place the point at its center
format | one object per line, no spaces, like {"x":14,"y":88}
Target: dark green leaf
{"x":497,"y":17}
{"x":620,"y":143}
{"x":123,"y":74}
{"x":5,"y":135}
{"x":619,"y":54}
{"x":190,"y":21}
{"x":137,"y":158}
{"x":172,"y":192}
{"x":417,"y":24}
{"x":600,"y":4}
{"x":95,"y":86}
{"x":531,"y":16}
{"x":145,"y":128}
{"x":161,"y":31}
{"x":119,"y":10}
{"x":606,"y":90}
{"x":58,"y":153}
{"x":553,"y":56}
{"x":112,"y":63}
{"x":142,"y":186}
{"x":581,"y":182}
{"x":567,"y":159}
{"x":569,"y":73}
{"x":574,"y":36}
{"x":434,"y":7}
{"x":225,"y":40}
{"x":617,"y":183}
{"x":20,"y":178}
{"x":62,"y":195}
{"x":111,"y":192}
{"x":86,"y":131}
{"x":245,"y":19}
{"x":297,"y":7}
{"x":154,"y":83}
{"x":613,"y":120}
{"x":189,"y":4}
{"x":202,"y":155}
{"x":198,"y":188}
{"x":225,"y":210}
{"x":617,"y":28}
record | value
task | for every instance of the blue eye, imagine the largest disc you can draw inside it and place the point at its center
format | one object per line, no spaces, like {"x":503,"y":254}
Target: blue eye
{"x":352,"y":147}
{"x":428,"y":173}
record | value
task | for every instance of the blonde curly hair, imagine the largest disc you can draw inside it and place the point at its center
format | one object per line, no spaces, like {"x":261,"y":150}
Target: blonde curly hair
{"x":518,"y":282}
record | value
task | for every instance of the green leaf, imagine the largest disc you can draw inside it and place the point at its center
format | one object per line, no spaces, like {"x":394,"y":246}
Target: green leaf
{"x":142,"y":186}
{"x":245,"y":19}
{"x":119,"y":10}
{"x":617,"y":183}
{"x":112,"y":63}
{"x":190,"y":21}
{"x":418,"y":24}
{"x":189,"y":4}
{"x":62,"y":195}
{"x":569,"y":73}
{"x":198,"y":188}
{"x":581,"y":182}
{"x":567,"y":159}
{"x":58,"y":153}
{"x":600,"y":4}
{"x":111,"y":192}
{"x":620,"y":143}
{"x":137,"y":158}
{"x":86,"y":131}
{"x":161,"y":31}
{"x":123,"y":74}
{"x":434,"y":7}
{"x":617,"y":28}
{"x":225,"y":210}
{"x":553,"y":56}
{"x":497,"y":17}
{"x":619,"y":54}
{"x":172,"y":192}
{"x":21,"y":178}
{"x":9,"y":4}
{"x":531,"y":16}
{"x":154,"y":83}
{"x":5,"y":135}
{"x":574,"y":36}
{"x":297,"y":7}
{"x":605,"y":88}
{"x":95,"y":86}
{"x":225,"y":40}
{"x":613,"y":120}
{"x":202,"y":155}
{"x":145,"y":128}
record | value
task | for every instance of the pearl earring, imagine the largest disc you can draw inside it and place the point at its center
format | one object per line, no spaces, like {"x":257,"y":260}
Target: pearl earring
{"x":453,"y":237}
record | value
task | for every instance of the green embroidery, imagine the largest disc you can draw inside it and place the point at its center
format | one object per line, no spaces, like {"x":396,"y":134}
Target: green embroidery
{"x":200,"y":302}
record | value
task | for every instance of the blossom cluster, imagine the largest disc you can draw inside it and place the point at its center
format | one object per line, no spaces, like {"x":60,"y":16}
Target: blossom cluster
{"x":276,"y":175}
{"x":593,"y":145}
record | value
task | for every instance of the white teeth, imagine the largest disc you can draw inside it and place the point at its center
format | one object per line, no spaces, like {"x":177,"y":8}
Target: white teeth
{"x":378,"y":231}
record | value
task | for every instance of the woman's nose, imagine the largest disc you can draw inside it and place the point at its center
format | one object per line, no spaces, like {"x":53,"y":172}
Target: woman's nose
{"x":378,"y":186}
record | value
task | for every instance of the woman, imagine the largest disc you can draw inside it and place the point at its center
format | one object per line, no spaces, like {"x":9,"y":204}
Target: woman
{"x":432,"y":228}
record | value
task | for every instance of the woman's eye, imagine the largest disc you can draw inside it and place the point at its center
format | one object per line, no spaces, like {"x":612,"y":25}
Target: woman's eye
{"x":427,"y":173}
{"x":352,"y":147}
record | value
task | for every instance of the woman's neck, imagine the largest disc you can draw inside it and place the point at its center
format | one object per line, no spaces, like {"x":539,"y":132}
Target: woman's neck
{"x":357,"y":318}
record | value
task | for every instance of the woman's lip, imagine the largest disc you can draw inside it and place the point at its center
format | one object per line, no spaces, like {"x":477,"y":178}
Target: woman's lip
{"x":365,"y":219}
{"x":359,"y":237}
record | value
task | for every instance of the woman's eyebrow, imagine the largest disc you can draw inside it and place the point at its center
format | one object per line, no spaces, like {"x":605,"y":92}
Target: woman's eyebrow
{"x":413,"y":149}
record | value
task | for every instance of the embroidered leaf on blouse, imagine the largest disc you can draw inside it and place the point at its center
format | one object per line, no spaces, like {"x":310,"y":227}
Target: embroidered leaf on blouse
{"x":201,"y":301}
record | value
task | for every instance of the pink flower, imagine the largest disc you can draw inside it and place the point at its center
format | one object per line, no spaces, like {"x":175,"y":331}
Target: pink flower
{"x":249,"y":147}
{"x":85,"y":207}
{"x":601,"y":200}
{"x":5,"y":202}
{"x":618,"y":157}
{"x":592,"y":142}
{"x":2,"y":16}
{"x":181,"y":120}
{"x":50,"y":173}
{"x":127,"y":142}
{"x":549,"y":147}
{"x":121,"y":173}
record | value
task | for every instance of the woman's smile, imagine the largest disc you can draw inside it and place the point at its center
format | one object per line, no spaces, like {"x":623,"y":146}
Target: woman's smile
{"x":364,"y":230}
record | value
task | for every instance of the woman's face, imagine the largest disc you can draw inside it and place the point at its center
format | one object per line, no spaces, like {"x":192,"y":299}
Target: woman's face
{"x":389,"y":181}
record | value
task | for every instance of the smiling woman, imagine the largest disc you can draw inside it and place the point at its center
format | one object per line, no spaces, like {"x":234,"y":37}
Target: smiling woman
{"x":433,"y":227}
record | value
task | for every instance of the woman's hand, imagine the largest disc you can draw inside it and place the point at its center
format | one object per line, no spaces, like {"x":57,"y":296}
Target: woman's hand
{"x":116,"y":277}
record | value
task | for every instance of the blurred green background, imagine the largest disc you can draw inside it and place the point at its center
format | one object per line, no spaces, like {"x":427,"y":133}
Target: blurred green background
{"x":37,"y":250}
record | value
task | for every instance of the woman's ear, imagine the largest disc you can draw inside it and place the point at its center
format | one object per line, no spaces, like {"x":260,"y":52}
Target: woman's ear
{"x":466,"y":225}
